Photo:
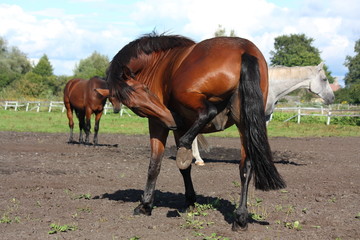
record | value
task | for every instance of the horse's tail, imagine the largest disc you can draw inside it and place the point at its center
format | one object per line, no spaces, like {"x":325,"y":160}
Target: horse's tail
{"x":252,"y":120}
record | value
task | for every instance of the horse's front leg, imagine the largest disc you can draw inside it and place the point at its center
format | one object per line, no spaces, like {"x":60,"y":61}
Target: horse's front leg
{"x":184,"y":154}
{"x":158,"y":136}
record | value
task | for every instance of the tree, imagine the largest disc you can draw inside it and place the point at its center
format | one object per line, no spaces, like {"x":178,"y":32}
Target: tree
{"x":95,"y":65}
{"x":43,"y":67}
{"x":296,"y":50}
{"x":13,"y":64}
{"x":221,"y":32}
{"x":353,"y":64}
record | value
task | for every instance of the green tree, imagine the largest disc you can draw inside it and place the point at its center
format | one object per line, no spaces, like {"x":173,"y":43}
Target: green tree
{"x":296,"y":50}
{"x":43,"y":67}
{"x":13,"y":63}
{"x":94,"y":65}
{"x":353,"y":64}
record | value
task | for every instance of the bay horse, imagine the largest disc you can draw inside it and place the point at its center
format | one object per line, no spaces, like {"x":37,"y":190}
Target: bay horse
{"x":282,"y":81}
{"x":80,"y":95}
{"x":181,"y":85}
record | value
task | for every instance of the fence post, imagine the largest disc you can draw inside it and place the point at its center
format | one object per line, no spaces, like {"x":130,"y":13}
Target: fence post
{"x":328,"y":118}
{"x":299,"y":115}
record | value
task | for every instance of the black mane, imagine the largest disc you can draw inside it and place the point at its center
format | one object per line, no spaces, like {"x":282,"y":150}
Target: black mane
{"x":148,"y":43}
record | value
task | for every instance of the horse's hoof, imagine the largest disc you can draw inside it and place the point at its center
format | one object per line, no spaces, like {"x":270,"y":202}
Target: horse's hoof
{"x":200,"y":163}
{"x":141,"y":209}
{"x":237,"y":227}
{"x":183,"y":158}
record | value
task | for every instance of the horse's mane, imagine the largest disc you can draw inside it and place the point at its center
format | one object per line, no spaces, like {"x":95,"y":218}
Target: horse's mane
{"x":147,"y":44}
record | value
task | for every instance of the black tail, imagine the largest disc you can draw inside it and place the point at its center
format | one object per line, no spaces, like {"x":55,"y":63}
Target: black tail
{"x":252,"y":119}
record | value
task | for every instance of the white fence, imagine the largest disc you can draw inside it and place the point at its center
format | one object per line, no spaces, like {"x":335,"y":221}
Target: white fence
{"x":49,"y":106}
{"x":320,"y":111}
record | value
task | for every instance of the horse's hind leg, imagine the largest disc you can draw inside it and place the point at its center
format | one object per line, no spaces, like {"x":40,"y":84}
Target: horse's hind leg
{"x":87,"y":125}
{"x":241,"y":218}
{"x":81,"y":117}
{"x":96,"y":128}
{"x":158,"y":136}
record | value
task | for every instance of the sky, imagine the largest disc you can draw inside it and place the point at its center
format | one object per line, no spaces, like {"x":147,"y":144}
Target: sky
{"x":70,"y":30}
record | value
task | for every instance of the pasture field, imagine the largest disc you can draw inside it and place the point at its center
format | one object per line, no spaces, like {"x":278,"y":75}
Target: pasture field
{"x":56,"y":122}
{"x":53,"y":190}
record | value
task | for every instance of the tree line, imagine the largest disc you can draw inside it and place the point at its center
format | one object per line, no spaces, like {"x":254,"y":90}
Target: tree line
{"x":21,"y":79}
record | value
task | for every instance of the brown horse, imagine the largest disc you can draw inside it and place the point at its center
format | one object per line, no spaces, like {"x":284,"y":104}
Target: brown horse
{"x":80,"y":95}
{"x":182,"y":85}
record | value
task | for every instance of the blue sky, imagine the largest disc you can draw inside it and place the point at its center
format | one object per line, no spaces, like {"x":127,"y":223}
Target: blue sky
{"x":70,"y":30}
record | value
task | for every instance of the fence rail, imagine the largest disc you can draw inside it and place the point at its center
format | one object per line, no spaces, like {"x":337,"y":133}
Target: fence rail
{"x":320,"y":112}
{"x":48,"y":105}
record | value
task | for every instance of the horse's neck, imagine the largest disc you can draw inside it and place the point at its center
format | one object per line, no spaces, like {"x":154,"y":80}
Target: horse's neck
{"x":281,"y":86}
{"x":158,"y":68}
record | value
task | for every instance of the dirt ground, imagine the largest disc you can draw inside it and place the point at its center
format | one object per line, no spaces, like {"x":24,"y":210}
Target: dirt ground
{"x":44,"y":180}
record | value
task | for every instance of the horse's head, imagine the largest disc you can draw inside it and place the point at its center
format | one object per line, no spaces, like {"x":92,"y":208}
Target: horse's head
{"x":319,"y":85}
{"x":137,"y":96}
{"x":115,"y":103}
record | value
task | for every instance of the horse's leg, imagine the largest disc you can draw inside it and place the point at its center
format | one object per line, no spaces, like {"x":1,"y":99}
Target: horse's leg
{"x":241,"y":218}
{"x":158,"y":136}
{"x":190,"y":195}
{"x":96,"y":128}
{"x":81,"y":116}
{"x":87,"y":124}
{"x":206,"y":112}
{"x":69,"y":113}
{"x":196,"y":153}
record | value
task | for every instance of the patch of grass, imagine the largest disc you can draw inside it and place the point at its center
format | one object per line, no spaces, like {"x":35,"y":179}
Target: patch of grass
{"x":55,"y":228}
{"x":57,"y":122}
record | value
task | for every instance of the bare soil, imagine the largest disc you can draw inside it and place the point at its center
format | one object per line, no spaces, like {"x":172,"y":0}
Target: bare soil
{"x":44,"y":180}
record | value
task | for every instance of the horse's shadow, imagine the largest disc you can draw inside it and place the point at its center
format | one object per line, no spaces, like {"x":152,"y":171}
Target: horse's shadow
{"x":176,"y":203}
{"x":91,"y":144}
{"x":232,"y":156}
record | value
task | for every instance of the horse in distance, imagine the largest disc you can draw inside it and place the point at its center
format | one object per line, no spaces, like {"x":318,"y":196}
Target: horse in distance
{"x":181,"y":85}
{"x":80,"y":95}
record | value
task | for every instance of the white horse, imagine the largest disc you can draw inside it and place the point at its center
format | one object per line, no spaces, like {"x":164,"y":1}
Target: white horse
{"x":283,"y":80}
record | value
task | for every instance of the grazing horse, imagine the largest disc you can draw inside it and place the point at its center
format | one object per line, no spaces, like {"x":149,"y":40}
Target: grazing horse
{"x":283,"y":80}
{"x":80,"y":95}
{"x":182,"y":85}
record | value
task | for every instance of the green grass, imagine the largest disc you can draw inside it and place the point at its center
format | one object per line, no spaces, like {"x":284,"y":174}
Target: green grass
{"x":57,"y":122}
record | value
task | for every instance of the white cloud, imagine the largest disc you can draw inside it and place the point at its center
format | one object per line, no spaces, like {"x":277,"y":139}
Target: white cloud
{"x":67,"y":38}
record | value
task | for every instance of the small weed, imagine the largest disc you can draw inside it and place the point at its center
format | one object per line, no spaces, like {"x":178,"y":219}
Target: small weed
{"x":316,"y":226}
{"x":134,"y":238}
{"x":236,"y":184}
{"x":55,"y":228}
{"x":86,"y":196}
{"x":332,"y":200}
{"x":5,"y":219}
{"x":304,"y":210}
{"x":284,"y":191}
{"x":257,"y":217}
{"x":192,"y":219}
{"x":358,"y":215}
{"x":293,"y":225}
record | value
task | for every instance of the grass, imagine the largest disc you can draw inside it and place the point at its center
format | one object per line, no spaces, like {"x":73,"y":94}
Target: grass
{"x":57,"y":122}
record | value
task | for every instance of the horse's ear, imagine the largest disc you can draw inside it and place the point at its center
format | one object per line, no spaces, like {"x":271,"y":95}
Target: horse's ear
{"x":103,"y":91}
{"x":321,"y":66}
{"x":127,"y":74}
